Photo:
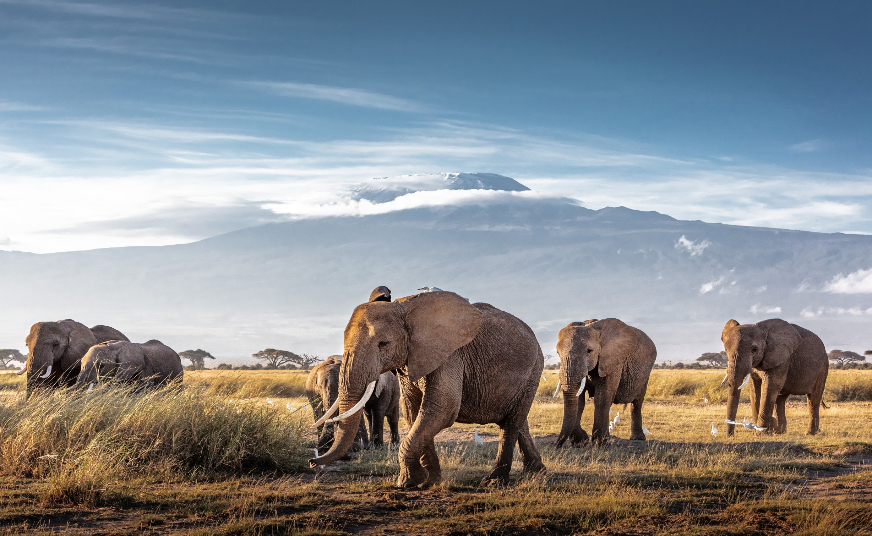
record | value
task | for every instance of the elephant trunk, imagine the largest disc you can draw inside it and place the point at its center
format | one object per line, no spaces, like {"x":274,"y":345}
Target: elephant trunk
{"x":570,"y":417}
{"x":732,"y":407}
{"x":346,"y":431}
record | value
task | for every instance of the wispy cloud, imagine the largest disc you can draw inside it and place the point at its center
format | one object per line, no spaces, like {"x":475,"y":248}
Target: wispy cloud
{"x":7,"y":106}
{"x":694,"y":248}
{"x":767,"y":309}
{"x":859,"y":282}
{"x":810,"y":146}
{"x":342,"y":95}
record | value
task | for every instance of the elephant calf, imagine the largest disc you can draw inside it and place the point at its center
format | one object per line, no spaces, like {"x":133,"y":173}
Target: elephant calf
{"x":780,"y":359}
{"x":611,"y":360}
{"x":151,"y":363}
{"x":384,"y":402}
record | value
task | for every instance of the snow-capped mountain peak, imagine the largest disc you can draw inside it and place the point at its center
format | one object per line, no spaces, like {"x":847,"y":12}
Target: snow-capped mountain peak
{"x":385,"y":189}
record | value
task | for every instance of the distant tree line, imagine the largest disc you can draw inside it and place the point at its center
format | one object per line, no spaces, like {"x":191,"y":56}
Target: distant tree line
{"x":9,"y":356}
{"x":269,"y":359}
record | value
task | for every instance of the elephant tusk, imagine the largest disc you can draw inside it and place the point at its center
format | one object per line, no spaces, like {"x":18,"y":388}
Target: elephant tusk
{"x":327,"y":414}
{"x":724,"y":380}
{"x":744,"y":383}
{"x":22,"y":371}
{"x":47,"y":372}
{"x":558,"y":388}
{"x":363,"y":400}
{"x":581,"y":389}
{"x":543,"y":377}
{"x":90,"y":388}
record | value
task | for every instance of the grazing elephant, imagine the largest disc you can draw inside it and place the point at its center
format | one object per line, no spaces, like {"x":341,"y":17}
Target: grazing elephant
{"x":384,"y":402}
{"x":381,"y":293}
{"x":152,"y":363}
{"x":612,"y":361}
{"x":780,"y":359}
{"x":457,"y":362}
{"x":56,"y":350}
{"x":322,"y":388}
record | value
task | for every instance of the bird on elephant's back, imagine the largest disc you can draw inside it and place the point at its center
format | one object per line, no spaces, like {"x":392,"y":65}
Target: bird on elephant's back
{"x":55,"y":351}
{"x":456,"y":361}
{"x":149,"y":364}
{"x":613,"y":362}
{"x":778,"y":359}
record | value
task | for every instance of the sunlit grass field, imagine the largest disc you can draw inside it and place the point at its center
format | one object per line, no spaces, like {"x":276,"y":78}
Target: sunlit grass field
{"x":226,"y":454}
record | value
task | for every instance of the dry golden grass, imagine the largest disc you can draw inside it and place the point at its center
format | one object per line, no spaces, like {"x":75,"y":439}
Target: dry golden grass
{"x":217,"y":458}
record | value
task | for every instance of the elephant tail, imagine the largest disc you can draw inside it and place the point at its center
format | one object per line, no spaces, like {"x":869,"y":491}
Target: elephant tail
{"x":824,"y":404}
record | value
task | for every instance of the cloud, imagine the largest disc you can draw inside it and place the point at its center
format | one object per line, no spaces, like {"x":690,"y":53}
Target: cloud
{"x":859,"y":282}
{"x":705,"y":288}
{"x":694,"y":248}
{"x":810,"y":146}
{"x":757,"y":308}
{"x":342,"y":95}
{"x":7,"y":106}
{"x":813,"y":312}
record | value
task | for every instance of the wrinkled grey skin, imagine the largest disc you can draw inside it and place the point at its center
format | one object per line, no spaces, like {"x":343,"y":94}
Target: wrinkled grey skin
{"x":617,"y":360}
{"x":385,"y":402}
{"x":457,"y":362}
{"x":322,"y":388}
{"x":783,"y":359}
{"x":150,"y":364}
{"x":62,"y":345}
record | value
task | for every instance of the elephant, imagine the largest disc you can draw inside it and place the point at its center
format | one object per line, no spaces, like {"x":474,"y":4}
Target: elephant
{"x":610,"y":360}
{"x":151,"y":363}
{"x":55,"y":351}
{"x":322,"y":388}
{"x":780,"y":359}
{"x":384,"y":402}
{"x":457,"y":362}
{"x":381,"y":293}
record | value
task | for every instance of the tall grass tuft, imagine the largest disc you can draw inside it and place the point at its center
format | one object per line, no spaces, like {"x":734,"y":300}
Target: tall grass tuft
{"x":81,"y":439}
{"x":245,"y":384}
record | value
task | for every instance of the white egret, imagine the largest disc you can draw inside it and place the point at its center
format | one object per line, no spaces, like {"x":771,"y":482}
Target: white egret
{"x":543,"y":377}
{"x":646,"y":431}
{"x":270,"y":402}
{"x":477,"y":438}
{"x":617,"y":419}
{"x":705,"y":399}
{"x":714,"y":430}
{"x":745,"y":424}
{"x":91,"y":387}
{"x":431,"y":289}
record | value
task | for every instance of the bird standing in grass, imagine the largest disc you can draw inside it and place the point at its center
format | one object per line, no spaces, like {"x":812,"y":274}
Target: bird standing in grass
{"x":477,"y":438}
{"x":714,"y":430}
{"x":270,"y":402}
{"x":617,"y":419}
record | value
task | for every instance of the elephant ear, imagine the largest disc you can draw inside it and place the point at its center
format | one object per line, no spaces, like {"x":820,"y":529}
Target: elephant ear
{"x":728,"y":326}
{"x":130,"y":361}
{"x":439,"y":323}
{"x":80,"y":340}
{"x":617,"y":343}
{"x":782,"y":339}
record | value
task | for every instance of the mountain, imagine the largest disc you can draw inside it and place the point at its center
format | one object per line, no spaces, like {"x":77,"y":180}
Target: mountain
{"x":549,"y":261}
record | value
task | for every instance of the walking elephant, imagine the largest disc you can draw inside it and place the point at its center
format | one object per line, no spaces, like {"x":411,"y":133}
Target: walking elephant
{"x":613,"y":362}
{"x":151,"y":364}
{"x":384,"y":402}
{"x":55,"y":351}
{"x":322,"y":390}
{"x":780,"y":359}
{"x":457,"y":362}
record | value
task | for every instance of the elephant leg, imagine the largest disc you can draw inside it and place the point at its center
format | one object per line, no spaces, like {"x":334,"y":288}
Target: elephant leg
{"x":603,"y":399}
{"x":771,"y":388}
{"x":377,"y":428}
{"x":780,"y":414}
{"x":579,"y":435}
{"x":438,"y":409}
{"x":394,"y":423}
{"x":756,"y":385}
{"x":814,"y":404}
{"x":505,"y":454}
{"x":370,"y":419}
{"x":430,"y":461}
{"x":636,"y":432}
{"x":529,"y":453}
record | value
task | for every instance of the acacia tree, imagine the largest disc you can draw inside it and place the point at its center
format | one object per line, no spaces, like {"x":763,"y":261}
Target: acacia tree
{"x":197,"y":358}
{"x":277,"y":358}
{"x":843,"y":357}
{"x":8,"y":355}
{"x":717,"y":360}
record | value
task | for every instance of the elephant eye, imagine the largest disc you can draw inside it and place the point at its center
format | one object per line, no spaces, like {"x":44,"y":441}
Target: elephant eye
{"x":753,"y":349}
{"x":590,"y":350}
{"x":382,"y":344}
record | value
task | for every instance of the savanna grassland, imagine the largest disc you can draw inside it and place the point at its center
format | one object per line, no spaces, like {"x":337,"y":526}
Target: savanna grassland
{"x":227,"y":454}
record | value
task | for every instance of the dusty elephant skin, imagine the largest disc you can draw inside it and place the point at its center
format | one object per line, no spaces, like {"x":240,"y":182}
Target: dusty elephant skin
{"x":384,"y":402}
{"x":782,"y":359}
{"x":614,"y":361}
{"x":55,"y":351}
{"x":457,"y":362}
{"x":152,"y":363}
{"x":322,"y":389}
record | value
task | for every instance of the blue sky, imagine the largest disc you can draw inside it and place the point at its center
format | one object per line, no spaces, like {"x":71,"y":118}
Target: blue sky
{"x":133,"y":123}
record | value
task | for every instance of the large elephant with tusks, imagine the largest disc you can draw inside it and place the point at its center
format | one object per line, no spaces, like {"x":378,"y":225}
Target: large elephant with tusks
{"x":457,"y":362}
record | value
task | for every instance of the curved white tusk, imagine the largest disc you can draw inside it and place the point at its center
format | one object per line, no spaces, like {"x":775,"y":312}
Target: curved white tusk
{"x":47,"y":372}
{"x":744,"y":383}
{"x":724,"y":380}
{"x":558,"y":388}
{"x":581,"y":389}
{"x":22,"y":371}
{"x":543,"y":377}
{"x":90,"y":387}
{"x":327,"y":413}
{"x":366,"y":394}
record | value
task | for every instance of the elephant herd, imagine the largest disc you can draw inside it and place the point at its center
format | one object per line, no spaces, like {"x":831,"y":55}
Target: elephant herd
{"x":67,"y":353}
{"x":456,"y":361}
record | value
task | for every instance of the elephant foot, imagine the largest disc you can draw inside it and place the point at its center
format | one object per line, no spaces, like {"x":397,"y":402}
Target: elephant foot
{"x":599,"y":438}
{"x":535,"y":467}
{"x":813,"y":431}
{"x":412,"y":477}
{"x":432,"y":479}
{"x":577,"y":438}
{"x":498,"y":477}
{"x":638,"y":437}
